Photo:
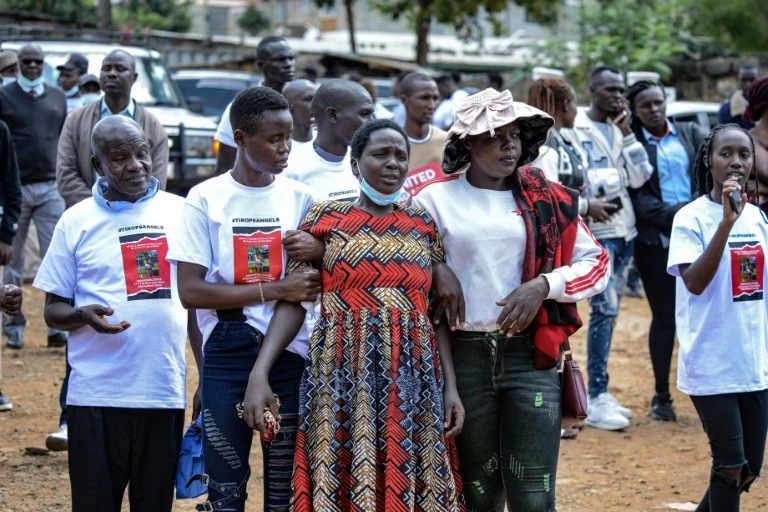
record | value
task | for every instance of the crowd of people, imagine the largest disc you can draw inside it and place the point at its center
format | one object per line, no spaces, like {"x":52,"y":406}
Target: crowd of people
{"x":383,"y":296}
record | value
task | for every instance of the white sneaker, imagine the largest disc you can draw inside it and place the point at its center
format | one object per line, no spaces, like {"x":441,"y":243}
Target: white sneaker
{"x":602,"y":415}
{"x":57,"y":441}
{"x":627,"y":413}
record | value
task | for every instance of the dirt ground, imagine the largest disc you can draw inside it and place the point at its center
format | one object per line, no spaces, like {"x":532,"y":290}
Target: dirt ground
{"x":650,"y":466}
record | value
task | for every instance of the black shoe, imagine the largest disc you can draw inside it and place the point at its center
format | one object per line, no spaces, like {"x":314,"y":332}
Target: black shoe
{"x":5,"y":404}
{"x":15,"y":339}
{"x":57,"y":340}
{"x":661,"y":408}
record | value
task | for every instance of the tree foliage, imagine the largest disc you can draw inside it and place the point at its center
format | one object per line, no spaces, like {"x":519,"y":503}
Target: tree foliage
{"x":630,"y":35}
{"x":462,"y":15}
{"x":740,"y":24}
{"x":253,"y":21}
{"x":171,"y":15}
{"x":74,"y":11}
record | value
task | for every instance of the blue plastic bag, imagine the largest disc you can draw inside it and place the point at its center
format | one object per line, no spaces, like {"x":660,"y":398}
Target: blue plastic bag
{"x":191,"y":462}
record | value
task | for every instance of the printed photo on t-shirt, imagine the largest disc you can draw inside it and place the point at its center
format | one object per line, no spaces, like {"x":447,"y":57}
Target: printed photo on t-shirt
{"x":147,"y":272}
{"x":747,"y":264}
{"x":258,"y":253}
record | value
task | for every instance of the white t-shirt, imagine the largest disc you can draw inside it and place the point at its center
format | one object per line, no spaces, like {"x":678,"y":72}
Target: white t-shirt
{"x":484,"y":239}
{"x":236,"y":232}
{"x":118,"y":258}
{"x":327,"y":180}
{"x":226,"y":135}
{"x":723,"y":333}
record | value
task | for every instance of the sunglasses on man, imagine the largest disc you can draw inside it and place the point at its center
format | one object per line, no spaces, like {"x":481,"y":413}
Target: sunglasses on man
{"x":29,"y":62}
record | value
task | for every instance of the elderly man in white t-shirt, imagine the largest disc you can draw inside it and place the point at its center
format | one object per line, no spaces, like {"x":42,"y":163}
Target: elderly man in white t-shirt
{"x":127,"y":391}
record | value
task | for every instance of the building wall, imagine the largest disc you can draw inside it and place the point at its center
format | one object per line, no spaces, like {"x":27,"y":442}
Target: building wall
{"x":224,"y":14}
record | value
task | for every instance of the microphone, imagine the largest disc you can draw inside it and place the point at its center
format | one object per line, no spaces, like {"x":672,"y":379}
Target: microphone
{"x":735,"y":198}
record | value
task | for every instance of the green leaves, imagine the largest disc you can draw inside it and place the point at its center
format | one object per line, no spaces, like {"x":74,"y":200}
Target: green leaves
{"x":253,"y":21}
{"x":738,"y":23}
{"x":630,"y":35}
{"x":171,"y":15}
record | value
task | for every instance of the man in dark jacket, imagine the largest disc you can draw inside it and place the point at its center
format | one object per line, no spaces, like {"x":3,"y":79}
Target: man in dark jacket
{"x":10,"y":208}
{"x":35,"y":115}
{"x":671,"y":149}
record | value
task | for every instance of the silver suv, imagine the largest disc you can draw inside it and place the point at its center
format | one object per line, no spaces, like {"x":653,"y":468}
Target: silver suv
{"x":190,"y":136}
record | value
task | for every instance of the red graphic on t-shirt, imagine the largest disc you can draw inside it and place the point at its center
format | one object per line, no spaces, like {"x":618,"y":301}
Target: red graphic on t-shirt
{"x":258,"y":254}
{"x":147,"y":272}
{"x":747,"y":270}
{"x":419,"y":178}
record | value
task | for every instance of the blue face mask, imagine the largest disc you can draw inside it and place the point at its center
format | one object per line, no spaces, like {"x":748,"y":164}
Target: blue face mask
{"x":73,"y":91}
{"x":26,"y":82}
{"x":379,"y":198}
{"x":90,"y":97}
{"x":9,"y":80}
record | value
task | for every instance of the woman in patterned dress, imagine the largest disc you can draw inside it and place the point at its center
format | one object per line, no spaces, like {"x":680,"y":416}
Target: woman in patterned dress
{"x":379,"y":405}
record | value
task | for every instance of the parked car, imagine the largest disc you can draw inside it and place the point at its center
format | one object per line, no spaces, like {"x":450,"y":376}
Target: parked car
{"x":190,"y":135}
{"x":704,"y":113}
{"x":214,"y":88}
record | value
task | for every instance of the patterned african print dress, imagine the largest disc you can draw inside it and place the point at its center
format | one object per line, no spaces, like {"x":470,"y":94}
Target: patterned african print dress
{"x":371,"y":413}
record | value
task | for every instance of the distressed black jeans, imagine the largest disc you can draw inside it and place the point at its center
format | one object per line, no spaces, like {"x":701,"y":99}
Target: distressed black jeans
{"x":736,"y":425}
{"x":509,"y":446}
{"x":229,"y":355}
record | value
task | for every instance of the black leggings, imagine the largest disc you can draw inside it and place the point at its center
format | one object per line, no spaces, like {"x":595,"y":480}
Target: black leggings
{"x":660,"y":289}
{"x":736,"y":425}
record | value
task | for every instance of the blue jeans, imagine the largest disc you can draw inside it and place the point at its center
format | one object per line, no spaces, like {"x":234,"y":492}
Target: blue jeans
{"x":511,"y":439}
{"x":605,"y":310}
{"x":229,"y":355}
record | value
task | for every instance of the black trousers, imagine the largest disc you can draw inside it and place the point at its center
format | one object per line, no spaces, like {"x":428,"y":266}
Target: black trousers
{"x":736,"y":425}
{"x":110,"y":447}
{"x":660,"y":289}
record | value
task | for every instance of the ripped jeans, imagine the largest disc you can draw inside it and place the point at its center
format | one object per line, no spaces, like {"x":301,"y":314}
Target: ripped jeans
{"x":509,"y":446}
{"x":229,"y":355}
{"x":605,"y":310}
{"x":736,"y":425}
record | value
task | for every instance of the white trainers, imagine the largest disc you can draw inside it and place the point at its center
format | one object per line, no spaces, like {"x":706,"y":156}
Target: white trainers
{"x":57,"y":441}
{"x":603,"y":415}
{"x":627,"y":413}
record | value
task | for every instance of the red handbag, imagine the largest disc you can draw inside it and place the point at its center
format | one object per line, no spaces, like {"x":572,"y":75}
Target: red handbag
{"x":574,"y":401}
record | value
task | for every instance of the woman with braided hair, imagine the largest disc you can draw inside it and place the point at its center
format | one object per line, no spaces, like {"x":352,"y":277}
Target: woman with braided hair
{"x":717,"y":253}
{"x":757,"y":112}
{"x":671,"y":148}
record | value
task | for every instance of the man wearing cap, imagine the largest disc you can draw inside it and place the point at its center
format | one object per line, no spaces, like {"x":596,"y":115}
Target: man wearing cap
{"x":69,"y":76}
{"x":90,"y":89}
{"x":9,"y":66}
{"x":34,"y":112}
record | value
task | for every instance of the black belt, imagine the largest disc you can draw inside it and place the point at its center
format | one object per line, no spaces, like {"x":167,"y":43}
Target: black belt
{"x":231,"y":315}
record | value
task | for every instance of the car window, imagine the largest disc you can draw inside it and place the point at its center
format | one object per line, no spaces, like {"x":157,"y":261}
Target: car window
{"x":215,"y":94}
{"x":686,"y":118}
{"x":153,"y":85}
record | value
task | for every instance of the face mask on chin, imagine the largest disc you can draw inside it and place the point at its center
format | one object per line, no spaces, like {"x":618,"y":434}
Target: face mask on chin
{"x":7,"y":80}
{"x":90,"y":97}
{"x":379,"y":198}
{"x":72,"y":92}
{"x":26,"y":82}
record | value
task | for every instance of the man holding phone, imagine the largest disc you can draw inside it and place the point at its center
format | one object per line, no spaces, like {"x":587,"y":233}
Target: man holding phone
{"x":617,"y":161}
